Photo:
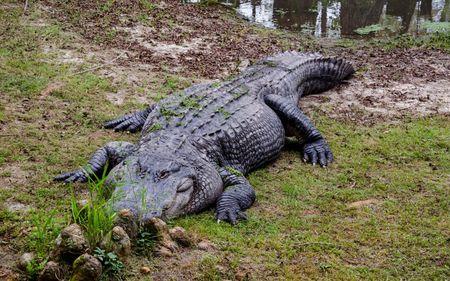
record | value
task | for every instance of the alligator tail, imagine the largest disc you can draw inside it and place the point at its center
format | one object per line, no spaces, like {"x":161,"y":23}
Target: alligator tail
{"x":322,"y":74}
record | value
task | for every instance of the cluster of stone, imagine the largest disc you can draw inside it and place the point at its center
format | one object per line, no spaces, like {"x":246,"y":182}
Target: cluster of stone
{"x":73,"y":257}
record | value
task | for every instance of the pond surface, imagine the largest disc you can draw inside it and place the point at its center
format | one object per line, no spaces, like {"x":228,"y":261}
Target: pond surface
{"x":347,"y":18}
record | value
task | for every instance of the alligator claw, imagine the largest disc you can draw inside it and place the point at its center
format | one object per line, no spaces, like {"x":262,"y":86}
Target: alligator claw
{"x":231,"y":215}
{"x":317,"y":152}
{"x":131,"y":122}
{"x":124,"y":123}
{"x":78,"y":175}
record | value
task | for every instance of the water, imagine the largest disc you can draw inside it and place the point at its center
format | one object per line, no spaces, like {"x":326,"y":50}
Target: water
{"x":346,"y":18}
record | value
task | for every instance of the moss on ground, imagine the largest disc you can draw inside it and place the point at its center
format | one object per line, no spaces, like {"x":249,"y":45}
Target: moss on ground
{"x":301,"y":227}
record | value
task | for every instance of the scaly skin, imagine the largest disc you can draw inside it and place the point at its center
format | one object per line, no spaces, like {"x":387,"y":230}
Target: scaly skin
{"x":197,"y":146}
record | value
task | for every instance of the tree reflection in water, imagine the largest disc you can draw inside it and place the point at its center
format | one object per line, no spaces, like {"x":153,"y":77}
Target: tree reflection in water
{"x":335,"y":18}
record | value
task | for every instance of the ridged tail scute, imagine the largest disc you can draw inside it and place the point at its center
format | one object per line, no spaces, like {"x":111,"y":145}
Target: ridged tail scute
{"x":322,"y":74}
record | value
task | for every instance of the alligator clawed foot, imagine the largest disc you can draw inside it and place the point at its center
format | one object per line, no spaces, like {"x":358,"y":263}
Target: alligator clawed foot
{"x":124,"y":123}
{"x":74,"y":176}
{"x":317,"y":152}
{"x":132,"y":122}
{"x":231,"y":215}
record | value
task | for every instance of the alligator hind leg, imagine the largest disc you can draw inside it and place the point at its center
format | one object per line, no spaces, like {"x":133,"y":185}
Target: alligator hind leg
{"x":238,"y":196}
{"x":132,"y":122}
{"x":315,"y":148}
{"x":106,"y":157}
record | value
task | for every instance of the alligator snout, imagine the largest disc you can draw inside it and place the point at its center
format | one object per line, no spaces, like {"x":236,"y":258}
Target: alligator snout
{"x":149,"y":199}
{"x":146,"y":217}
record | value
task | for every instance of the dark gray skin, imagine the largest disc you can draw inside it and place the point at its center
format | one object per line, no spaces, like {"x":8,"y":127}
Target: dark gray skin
{"x":197,"y":146}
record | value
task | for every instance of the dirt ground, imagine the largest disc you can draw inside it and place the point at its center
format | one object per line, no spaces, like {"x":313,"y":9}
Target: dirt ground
{"x":389,"y":84}
{"x":137,"y":54}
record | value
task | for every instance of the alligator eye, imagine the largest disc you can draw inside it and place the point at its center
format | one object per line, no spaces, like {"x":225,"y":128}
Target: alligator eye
{"x":163,"y":174}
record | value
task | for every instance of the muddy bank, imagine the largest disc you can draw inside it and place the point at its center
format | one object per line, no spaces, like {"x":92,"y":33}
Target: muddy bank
{"x":186,"y":39}
{"x":209,"y":42}
{"x":389,"y":85}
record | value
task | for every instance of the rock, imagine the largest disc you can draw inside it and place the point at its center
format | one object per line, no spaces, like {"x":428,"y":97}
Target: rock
{"x":127,"y":220}
{"x":206,"y":245}
{"x":179,"y":235}
{"x":243,"y":65}
{"x":117,"y":241}
{"x":241,"y":275}
{"x":86,"y":268}
{"x":25,"y":260}
{"x":51,"y":272}
{"x":145,"y":270}
{"x":7,"y":274}
{"x":161,"y":230}
{"x":220,"y":268}
{"x":359,"y":204}
{"x":17,"y":207}
{"x":82,"y":203}
{"x":163,"y":252}
{"x":71,"y":243}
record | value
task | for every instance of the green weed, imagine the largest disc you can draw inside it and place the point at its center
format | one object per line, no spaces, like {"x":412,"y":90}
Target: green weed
{"x":155,"y":127}
{"x":147,"y":5}
{"x":168,"y":113}
{"x":190,"y":103}
{"x":172,"y":83}
{"x":438,"y":40}
{"x":436,"y":27}
{"x":208,"y":268}
{"x":34,"y":268}
{"x":112,"y":266}
{"x":225,"y":113}
{"x":46,"y":227}
{"x":96,"y":216}
{"x":145,"y":243}
{"x":234,"y":171}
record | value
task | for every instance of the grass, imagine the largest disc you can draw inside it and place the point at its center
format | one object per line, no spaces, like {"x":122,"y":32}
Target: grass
{"x":300,"y":227}
{"x":302,"y":213}
{"x":34,"y":128}
{"x":435,"y":40}
{"x":96,"y":216}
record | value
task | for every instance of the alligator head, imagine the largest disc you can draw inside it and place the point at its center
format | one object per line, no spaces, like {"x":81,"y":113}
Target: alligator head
{"x":160,"y":184}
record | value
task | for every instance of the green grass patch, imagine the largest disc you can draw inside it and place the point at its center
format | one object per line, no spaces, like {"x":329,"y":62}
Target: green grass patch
{"x":96,"y":216}
{"x":301,"y":212}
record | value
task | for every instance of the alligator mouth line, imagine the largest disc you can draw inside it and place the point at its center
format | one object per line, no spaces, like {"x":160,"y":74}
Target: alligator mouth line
{"x":185,"y":185}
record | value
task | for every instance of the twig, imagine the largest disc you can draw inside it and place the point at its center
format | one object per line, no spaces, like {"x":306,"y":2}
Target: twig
{"x":96,"y":67}
{"x":316,"y":243}
{"x":25,"y":7}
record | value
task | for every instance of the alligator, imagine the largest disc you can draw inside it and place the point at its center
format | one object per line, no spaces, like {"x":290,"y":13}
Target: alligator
{"x":197,"y":146}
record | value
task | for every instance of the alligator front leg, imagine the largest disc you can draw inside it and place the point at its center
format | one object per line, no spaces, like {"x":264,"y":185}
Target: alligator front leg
{"x":104,"y":158}
{"x":238,"y":196}
{"x":132,"y":122}
{"x":315,"y":148}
